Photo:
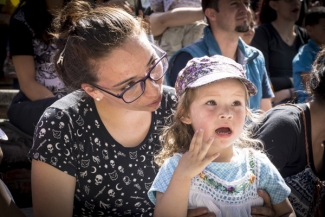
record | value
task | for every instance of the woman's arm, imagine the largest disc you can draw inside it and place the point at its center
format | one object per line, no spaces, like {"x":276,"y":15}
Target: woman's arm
{"x":284,"y":209}
{"x":176,"y":17}
{"x":25,"y":69}
{"x":52,"y":191}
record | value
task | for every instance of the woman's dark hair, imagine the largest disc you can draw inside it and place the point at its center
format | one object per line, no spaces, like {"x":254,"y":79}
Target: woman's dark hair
{"x":316,"y":84}
{"x":313,"y":15}
{"x":266,"y":14}
{"x":37,"y":17}
{"x":84,"y":35}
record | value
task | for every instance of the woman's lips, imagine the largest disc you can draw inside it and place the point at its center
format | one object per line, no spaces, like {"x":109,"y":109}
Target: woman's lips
{"x":156,"y":102}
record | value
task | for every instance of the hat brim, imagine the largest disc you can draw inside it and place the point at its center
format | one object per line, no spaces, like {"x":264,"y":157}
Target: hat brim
{"x":211,"y":78}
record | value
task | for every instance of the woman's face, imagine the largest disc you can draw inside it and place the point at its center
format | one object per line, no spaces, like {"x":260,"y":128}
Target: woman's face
{"x":287,"y":9}
{"x":249,"y":35}
{"x":127,"y":65}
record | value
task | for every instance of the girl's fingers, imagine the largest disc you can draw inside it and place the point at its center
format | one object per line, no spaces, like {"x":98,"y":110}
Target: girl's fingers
{"x":209,"y":159}
{"x":205,"y":147}
{"x":193,"y":141}
{"x":198,"y":142}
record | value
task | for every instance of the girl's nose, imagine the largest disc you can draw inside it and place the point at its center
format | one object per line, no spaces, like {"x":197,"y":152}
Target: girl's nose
{"x":225,"y":116}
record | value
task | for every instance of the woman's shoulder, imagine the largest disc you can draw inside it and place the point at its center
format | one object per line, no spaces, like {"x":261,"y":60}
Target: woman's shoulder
{"x":286,"y":111}
{"x":265,"y":28}
{"x":264,"y":33}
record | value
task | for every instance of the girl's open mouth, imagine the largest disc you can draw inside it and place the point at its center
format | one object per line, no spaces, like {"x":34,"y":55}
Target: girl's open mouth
{"x":223,"y":131}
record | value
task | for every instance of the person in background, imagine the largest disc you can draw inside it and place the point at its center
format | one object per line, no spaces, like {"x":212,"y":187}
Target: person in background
{"x":302,"y":62}
{"x":279,"y":39}
{"x":177,"y":37}
{"x":249,"y":35}
{"x":294,"y":138}
{"x":160,"y":21}
{"x":227,"y":20}
{"x":7,"y":203}
{"x":31,"y":49}
{"x":208,"y":157}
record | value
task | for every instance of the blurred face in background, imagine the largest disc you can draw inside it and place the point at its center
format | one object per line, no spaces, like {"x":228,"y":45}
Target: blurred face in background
{"x":317,"y":32}
{"x":288,"y":10}
{"x":249,"y":35}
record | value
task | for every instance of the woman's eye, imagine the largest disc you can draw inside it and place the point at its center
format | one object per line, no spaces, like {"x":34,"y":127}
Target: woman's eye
{"x":127,"y":86}
{"x":236,"y":103}
{"x":211,"y":102}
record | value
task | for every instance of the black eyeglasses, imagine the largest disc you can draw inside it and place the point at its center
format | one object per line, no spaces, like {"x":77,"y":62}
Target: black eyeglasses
{"x":155,"y":73}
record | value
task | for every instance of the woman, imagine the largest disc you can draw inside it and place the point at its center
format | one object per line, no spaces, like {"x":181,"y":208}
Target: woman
{"x":93,"y":149}
{"x":31,"y":49}
{"x":279,"y":39}
{"x":284,"y":137}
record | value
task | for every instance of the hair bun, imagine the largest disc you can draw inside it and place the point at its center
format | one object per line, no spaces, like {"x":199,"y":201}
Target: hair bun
{"x":70,"y":15}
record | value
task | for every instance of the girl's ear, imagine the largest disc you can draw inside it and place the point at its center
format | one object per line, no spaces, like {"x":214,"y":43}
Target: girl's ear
{"x":186,"y":120}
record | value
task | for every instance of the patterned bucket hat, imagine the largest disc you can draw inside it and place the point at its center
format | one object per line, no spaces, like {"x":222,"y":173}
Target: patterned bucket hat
{"x":205,"y":70}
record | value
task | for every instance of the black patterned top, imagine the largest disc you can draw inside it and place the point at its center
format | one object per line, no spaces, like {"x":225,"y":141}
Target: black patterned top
{"x":112,"y":180}
{"x":23,"y":41}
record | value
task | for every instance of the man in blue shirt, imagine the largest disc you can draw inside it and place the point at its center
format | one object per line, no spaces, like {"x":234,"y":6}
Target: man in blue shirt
{"x":227,"y":19}
{"x":302,"y":62}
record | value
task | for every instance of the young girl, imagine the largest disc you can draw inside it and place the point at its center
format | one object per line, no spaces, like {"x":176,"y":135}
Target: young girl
{"x":208,"y":158}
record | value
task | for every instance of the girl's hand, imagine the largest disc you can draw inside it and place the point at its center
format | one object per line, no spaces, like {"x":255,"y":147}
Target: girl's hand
{"x":195,"y":159}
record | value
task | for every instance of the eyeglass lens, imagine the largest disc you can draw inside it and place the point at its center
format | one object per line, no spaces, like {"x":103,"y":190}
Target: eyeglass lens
{"x":156,"y":72}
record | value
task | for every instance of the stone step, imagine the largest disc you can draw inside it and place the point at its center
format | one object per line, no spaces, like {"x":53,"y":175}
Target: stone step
{"x":6,"y":95}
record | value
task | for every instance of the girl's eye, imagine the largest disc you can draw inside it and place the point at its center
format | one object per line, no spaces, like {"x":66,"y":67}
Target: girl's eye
{"x":211,"y":102}
{"x":236,"y":103}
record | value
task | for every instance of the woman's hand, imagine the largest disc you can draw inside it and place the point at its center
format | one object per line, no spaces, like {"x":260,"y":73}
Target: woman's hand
{"x":266,"y":209}
{"x":200,"y":212}
{"x":195,"y":159}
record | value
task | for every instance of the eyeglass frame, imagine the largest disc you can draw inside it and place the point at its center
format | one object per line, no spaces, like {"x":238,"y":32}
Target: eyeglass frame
{"x":289,"y":1}
{"x":120,"y":95}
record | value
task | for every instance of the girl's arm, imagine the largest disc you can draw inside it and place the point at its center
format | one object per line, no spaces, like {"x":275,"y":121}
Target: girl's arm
{"x":284,"y":209}
{"x":25,"y":69}
{"x":177,"y":17}
{"x":174,"y":202}
{"x":52,"y":191}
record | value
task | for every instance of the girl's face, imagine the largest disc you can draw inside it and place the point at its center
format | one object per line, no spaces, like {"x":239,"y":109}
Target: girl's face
{"x":127,"y":65}
{"x":219,"y":109}
{"x":287,"y":9}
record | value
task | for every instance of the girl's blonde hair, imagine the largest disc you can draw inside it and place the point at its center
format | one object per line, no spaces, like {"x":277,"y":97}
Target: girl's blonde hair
{"x":177,"y":137}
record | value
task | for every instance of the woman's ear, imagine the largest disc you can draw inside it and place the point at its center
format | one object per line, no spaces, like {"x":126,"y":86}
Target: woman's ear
{"x":273,"y":5}
{"x":91,"y":91}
